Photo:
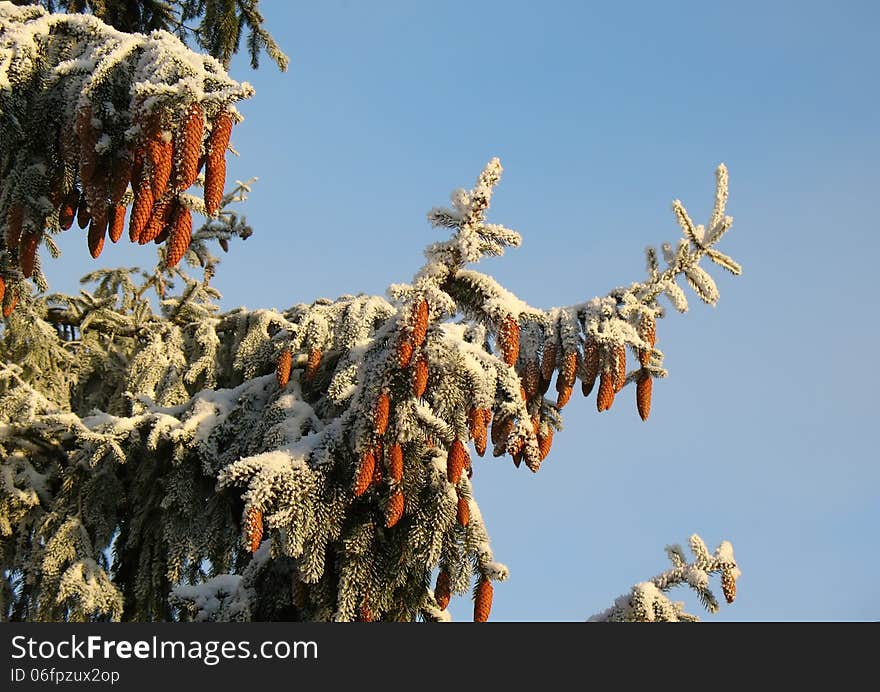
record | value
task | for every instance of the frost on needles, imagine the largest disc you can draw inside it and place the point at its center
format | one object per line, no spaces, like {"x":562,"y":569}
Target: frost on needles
{"x":169,"y":461}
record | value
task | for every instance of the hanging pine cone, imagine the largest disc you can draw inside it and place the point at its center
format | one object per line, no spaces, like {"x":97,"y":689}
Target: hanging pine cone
{"x":620,"y":370}
{"x":14,"y":220}
{"x":463,"y":511}
{"x":160,"y":153}
{"x":120,"y":177}
{"x":606,"y":391}
{"x":648,"y":332}
{"x":395,"y":462}
{"x":443,"y":589}
{"x":394,"y":509}
{"x":420,"y":377}
{"x":501,"y":429}
{"x":404,"y":350}
{"x":188,"y":147}
{"x":456,"y":461}
{"x":483,"y":600}
{"x":312,"y":364}
{"x":2,"y":289}
{"x":27,"y":252}
{"x":565,"y":379}
{"x":643,"y":394}
{"x":364,"y":476}
{"x":283,"y":367}
{"x":381,"y":412}
{"x":10,"y":300}
{"x":548,"y":361}
{"x":116,"y":223}
{"x":591,"y":366}
{"x":508,"y":340}
{"x":545,"y":441}
{"x":97,"y":231}
{"x":253,"y":528}
{"x":158,"y":219}
{"x":67,"y":210}
{"x":88,"y":138}
{"x":531,"y":379}
{"x":179,"y":235}
{"x":420,"y":323}
{"x":163,"y":234}
{"x":728,"y":585}
{"x":378,"y":473}
{"x":477,"y":426}
{"x":141,"y":211}
{"x":215,"y":161}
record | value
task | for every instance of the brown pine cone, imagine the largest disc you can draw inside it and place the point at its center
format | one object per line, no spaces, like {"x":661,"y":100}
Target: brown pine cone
{"x":188,"y":146}
{"x":283,"y":367}
{"x":728,"y":585}
{"x":116,"y":223}
{"x":548,"y":361}
{"x":179,"y":235}
{"x":394,"y":509}
{"x":591,"y":366}
{"x":141,"y":211}
{"x":420,"y":377}
{"x":545,"y":442}
{"x":420,"y":323}
{"x":378,"y":473}
{"x":606,"y":391}
{"x":27,"y":252}
{"x":508,"y":340}
{"x":381,"y":412}
{"x":160,"y":158}
{"x":501,"y":429}
{"x":88,"y":138}
{"x":483,"y":600}
{"x":97,"y":231}
{"x":218,"y":140}
{"x":395,"y":462}
{"x":120,"y":177}
{"x":404,"y":350}
{"x":364,"y":477}
{"x":457,"y":460}
{"x":159,"y":217}
{"x":2,"y":289}
{"x":443,"y":589}
{"x":215,"y":182}
{"x":477,"y":425}
{"x":10,"y":300}
{"x":67,"y":211}
{"x":14,"y":220}
{"x":531,"y":378}
{"x":253,"y":528}
{"x":648,"y":332}
{"x":463,"y":511}
{"x":312,"y":364}
{"x":83,"y":216}
{"x":620,"y":370}
{"x":643,"y":394}
{"x":565,"y":379}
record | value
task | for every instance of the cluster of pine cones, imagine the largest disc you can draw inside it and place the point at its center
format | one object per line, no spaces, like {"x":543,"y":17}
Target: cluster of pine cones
{"x":162,"y":164}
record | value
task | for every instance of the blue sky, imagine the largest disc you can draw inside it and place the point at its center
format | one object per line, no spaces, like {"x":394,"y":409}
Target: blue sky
{"x":602,"y":114}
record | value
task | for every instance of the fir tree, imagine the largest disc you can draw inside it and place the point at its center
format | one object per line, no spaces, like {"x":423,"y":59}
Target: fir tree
{"x":168,"y":461}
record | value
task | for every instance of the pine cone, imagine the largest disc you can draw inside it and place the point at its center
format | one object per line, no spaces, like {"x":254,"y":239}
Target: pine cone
{"x":282,"y":369}
{"x":160,"y":158}
{"x":188,"y":146}
{"x":463,"y":511}
{"x":643,"y":394}
{"x":141,"y":211}
{"x":443,"y":589}
{"x":457,"y":460}
{"x":590,"y":366}
{"x":365,"y":473}
{"x":532,"y":379}
{"x":648,"y":332}
{"x":508,"y":340}
{"x":120,"y":177}
{"x":253,"y":528}
{"x":381,"y":413}
{"x":483,"y":600}
{"x":67,"y":211}
{"x":545,"y":442}
{"x":10,"y":300}
{"x":395,"y":462}
{"x":83,"y":216}
{"x":620,"y":371}
{"x":548,"y":361}
{"x":179,"y":236}
{"x":420,"y":323}
{"x":158,"y":219}
{"x":501,"y":429}
{"x":606,"y":391}
{"x":477,"y":420}
{"x":88,"y":138}
{"x":14,"y":220}
{"x":565,"y":379}
{"x":2,"y":289}
{"x":394,"y":509}
{"x":378,"y":455}
{"x":420,"y":377}
{"x":404,"y":350}
{"x":365,"y":614}
{"x":728,"y":585}
{"x":215,"y":161}
{"x":97,"y":231}
{"x":27,"y":251}
{"x":312,"y":364}
{"x":116,"y":222}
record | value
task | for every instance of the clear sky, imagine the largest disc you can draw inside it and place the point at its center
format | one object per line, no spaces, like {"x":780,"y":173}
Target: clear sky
{"x":603,"y":113}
